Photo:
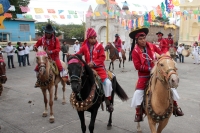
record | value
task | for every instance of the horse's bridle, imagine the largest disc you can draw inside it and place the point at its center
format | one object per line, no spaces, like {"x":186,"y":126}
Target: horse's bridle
{"x":167,"y":73}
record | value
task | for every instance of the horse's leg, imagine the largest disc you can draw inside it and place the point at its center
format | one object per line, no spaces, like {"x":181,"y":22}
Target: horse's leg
{"x":109,"y":122}
{"x":45,"y":102}
{"x":82,"y":119}
{"x":162,"y":125}
{"x":51,"y":118}
{"x":123,"y":63}
{"x":152,"y":125}
{"x":63,"y":88}
{"x":92,"y":120}
{"x":139,"y":128}
{"x":110,"y":64}
{"x":120,"y":60}
{"x":55,"y":94}
{"x":113,"y":64}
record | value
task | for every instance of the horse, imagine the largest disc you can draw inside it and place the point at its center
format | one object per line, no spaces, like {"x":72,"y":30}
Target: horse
{"x":3,"y":77}
{"x":114,"y":54}
{"x":86,"y":95}
{"x":48,"y":76}
{"x":158,"y":104}
{"x":172,"y":52}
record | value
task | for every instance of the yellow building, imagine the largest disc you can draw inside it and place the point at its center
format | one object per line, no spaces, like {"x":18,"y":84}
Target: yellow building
{"x":189,"y":25}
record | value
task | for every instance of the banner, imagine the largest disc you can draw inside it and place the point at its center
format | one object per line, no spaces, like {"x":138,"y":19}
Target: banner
{"x":1,"y":22}
{"x":38,"y":10}
{"x":51,"y":11}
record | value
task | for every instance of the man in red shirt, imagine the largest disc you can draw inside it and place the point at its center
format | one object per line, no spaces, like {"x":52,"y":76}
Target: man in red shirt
{"x":143,"y":56}
{"x":52,"y":45}
{"x":164,"y":47}
{"x":118,"y":44}
{"x":95,"y":57}
{"x":172,"y":48}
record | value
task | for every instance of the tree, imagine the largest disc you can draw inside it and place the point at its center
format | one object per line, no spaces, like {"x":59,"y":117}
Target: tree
{"x":17,"y":4}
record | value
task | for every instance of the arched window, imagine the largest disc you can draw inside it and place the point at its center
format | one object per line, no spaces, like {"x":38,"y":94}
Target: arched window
{"x":195,"y":29}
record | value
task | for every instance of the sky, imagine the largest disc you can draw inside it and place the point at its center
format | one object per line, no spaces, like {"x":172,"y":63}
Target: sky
{"x":80,"y":6}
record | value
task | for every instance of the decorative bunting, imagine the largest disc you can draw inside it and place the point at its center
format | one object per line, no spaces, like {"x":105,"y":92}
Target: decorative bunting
{"x":112,"y":2}
{"x":51,"y":11}
{"x":100,"y":2}
{"x":20,"y":16}
{"x":38,"y":17}
{"x":60,"y":11}
{"x":38,"y":10}
{"x":46,"y":16}
{"x":4,"y":6}
{"x":75,"y":16}
{"x":8,"y":15}
{"x":24,"y":9}
{"x":1,"y":22}
{"x":84,"y":0}
{"x":54,"y":16}
{"x":62,"y":16}
{"x":69,"y":16}
{"x":97,"y":14}
{"x":28,"y":16}
{"x":71,"y":12}
{"x":12,"y":8}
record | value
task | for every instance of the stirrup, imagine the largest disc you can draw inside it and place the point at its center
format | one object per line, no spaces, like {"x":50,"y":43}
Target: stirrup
{"x":179,"y":110}
{"x":109,"y":108}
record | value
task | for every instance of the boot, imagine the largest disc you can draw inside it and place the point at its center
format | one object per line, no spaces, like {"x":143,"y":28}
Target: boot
{"x":109,"y":106}
{"x":138,"y":115}
{"x":177,"y":110}
{"x":36,"y":83}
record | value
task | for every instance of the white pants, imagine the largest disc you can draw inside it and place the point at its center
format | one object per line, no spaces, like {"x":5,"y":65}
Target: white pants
{"x":63,"y":73}
{"x":107,"y":87}
{"x":120,"y":54}
{"x":139,"y":95}
{"x":196,"y":58}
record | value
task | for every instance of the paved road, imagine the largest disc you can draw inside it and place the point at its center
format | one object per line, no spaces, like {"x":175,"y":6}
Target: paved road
{"x":18,"y":116}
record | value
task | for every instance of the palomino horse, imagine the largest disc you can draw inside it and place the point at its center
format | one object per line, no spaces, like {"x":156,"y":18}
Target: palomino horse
{"x":114,"y":54}
{"x":47,"y":78}
{"x":172,"y":52}
{"x":158,"y":99}
{"x":3,"y":77}
{"x":87,"y":94}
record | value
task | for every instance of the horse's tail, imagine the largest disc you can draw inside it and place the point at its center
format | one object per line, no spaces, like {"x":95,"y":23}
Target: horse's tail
{"x":119,"y":91}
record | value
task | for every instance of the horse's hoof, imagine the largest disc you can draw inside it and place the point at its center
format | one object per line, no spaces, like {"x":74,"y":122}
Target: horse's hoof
{"x":109,"y":126}
{"x":44,"y":114}
{"x":51,"y":119}
{"x":55,"y":98}
{"x":63,"y":103}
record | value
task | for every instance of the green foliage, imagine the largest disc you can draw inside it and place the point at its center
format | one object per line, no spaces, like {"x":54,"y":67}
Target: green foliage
{"x":17,"y":4}
{"x":161,"y":19}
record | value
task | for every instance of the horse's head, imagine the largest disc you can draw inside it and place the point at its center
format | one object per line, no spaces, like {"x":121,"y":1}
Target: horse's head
{"x":75,"y":69}
{"x":41,"y":60}
{"x":167,"y":69}
{"x":3,"y":77}
{"x":107,"y":46}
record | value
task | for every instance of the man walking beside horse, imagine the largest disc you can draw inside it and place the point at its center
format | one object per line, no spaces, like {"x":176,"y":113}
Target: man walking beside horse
{"x":143,"y":55}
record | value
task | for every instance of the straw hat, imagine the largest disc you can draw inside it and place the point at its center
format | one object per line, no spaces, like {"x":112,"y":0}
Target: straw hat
{"x":133,"y":33}
{"x":76,"y":41}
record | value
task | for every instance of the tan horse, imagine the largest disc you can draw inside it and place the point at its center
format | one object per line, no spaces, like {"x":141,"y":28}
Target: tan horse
{"x":158,"y":101}
{"x":115,"y":55}
{"x":3,"y":77}
{"x":47,"y":79}
{"x":172,"y":52}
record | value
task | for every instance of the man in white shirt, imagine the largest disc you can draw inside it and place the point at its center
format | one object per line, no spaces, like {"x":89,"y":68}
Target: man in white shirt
{"x":179,"y":51}
{"x":10,"y":50}
{"x":195,"y":53}
{"x":123,"y":45}
{"x":21,"y":54}
{"x":26,"y":54}
{"x":76,"y":46}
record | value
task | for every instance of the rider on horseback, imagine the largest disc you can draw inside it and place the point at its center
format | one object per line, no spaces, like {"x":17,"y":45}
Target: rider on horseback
{"x":118,"y":44}
{"x":52,"y":45}
{"x":143,"y":55}
{"x":164,"y":47}
{"x":95,"y":57}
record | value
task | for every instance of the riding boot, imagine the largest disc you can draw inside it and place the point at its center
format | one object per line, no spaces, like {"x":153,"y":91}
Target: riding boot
{"x":37,"y":84}
{"x":177,"y":110}
{"x":138,"y":115}
{"x":109,"y":106}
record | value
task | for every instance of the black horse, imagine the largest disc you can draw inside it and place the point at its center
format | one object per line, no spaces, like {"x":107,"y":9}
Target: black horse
{"x":86,"y":96}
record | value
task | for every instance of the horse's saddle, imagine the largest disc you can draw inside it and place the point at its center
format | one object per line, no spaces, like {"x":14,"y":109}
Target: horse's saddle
{"x":54,"y":67}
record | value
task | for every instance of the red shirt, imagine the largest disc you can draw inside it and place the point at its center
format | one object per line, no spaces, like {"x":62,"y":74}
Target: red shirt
{"x":163,"y":45}
{"x":52,"y":45}
{"x":97,"y":56}
{"x":170,"y":41}
{"x":118,"y":44}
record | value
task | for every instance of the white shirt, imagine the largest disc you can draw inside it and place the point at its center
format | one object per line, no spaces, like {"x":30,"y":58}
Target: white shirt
{"x":180,"y":49}
{"x":8,"y":50}
{"x":21,"y":52}
{"x":195,"y":50}
{"x":27,"y":50}
{"x":76,"y":47}
{"x":123,"y":47}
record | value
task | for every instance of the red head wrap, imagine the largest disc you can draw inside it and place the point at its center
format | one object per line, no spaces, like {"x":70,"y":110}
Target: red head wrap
{"x":91,"y":33}
{"x":139,"y":34}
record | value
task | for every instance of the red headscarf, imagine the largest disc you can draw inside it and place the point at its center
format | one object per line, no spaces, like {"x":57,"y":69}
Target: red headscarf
{"x":91,"y":33}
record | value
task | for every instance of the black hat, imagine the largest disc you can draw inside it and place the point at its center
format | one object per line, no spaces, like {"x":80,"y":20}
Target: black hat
{"x":49,"y":28}
{"x":138,"y":30}
{"x":159,"y":33}
{"x":169,"y":34}
{"x":116,"y":35}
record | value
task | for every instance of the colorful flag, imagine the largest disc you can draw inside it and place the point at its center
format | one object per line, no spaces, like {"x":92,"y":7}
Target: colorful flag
{"x":12,"y":8}
{"x":62,"y":16}
{"x":71,"y":12}
{"x":28,"y":16}
{"x":97,"y":14}
{"x":38,"y":17}
{"x":112,"y":2}
{"x":8,"y":15}
{"x":24,"y":9}
{"x":54,"y":16}
{"x":51,"y":11}
{"x":60,"y":11}
{"x":46,"y":16}
{"x":1,"y":22}
{"x":38,"y":10}
{"x":69,"y":16}
{"x":5,"y":5}
{"x":75,"y":16}
{"x":20,"y":16}
{"x":84,"y":0}
{"x":100,"y":2}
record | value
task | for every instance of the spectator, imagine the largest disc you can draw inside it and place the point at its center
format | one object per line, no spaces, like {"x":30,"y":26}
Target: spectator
{"x":179,"y":51}
{"x":76,"y":46}
{"x":195,"y":53}
{"x":123,"y":46}
{"x":10,"y":52}
{"x":64,"y":49}
{"x":26,"y":54}
{"x":21,"y":54}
